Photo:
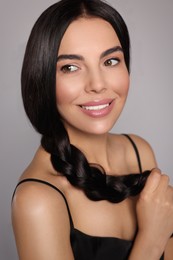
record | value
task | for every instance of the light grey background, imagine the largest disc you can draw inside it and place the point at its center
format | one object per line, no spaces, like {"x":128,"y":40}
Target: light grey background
{"x":148,"y":111}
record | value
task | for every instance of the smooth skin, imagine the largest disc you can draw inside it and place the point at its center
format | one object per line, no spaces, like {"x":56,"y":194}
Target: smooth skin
{"x":39,"y":214}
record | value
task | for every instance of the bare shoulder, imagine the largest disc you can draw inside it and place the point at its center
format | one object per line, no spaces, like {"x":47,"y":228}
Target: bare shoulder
{"x":39,"y":215}
{"x":34,"y":195}
{"x":146,"y":152}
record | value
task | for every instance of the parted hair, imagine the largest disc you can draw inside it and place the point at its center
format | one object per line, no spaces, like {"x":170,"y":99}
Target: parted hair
{"x":38,"y":81}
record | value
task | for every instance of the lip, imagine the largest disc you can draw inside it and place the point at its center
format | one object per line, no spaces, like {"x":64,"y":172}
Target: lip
{"x":106,"y":106}
{"x":98,"y":102}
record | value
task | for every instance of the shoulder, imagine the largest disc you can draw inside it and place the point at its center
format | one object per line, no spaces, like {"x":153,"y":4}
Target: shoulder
{"x":33,"y":194}
{"x":125,"y":148}
{"x":39,"y":204}
{"x":39,"y":214}
{"x":145,"y":151}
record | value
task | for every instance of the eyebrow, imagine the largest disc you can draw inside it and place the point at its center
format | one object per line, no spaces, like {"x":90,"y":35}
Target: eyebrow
{"x":111,"y":50}
{"x":79,"y":57}
{"x":69,"y":57}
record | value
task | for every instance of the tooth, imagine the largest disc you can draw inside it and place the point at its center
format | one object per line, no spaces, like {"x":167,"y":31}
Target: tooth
{"x":95,"y":107}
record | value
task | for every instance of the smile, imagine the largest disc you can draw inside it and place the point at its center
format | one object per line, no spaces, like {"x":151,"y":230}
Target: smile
{"x":98,"y":109}
{"x":95,"y":107}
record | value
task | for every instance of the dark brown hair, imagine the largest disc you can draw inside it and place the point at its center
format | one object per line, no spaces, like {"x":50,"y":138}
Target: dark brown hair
{"x":38,"y":92}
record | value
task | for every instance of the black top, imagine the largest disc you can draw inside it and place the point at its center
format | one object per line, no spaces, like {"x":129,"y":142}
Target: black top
{"x":87,"y":247}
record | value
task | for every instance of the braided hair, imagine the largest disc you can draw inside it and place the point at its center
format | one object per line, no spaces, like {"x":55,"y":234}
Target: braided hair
{"x":38,"y":80}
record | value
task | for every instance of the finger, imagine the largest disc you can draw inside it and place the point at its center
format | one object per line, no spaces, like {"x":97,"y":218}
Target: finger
{"x":169,"y":194}
{"x":153,"y":181}
{"x":163,"y":184}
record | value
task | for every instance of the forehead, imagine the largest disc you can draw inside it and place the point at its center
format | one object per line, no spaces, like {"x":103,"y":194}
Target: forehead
{"x":88,"y":33}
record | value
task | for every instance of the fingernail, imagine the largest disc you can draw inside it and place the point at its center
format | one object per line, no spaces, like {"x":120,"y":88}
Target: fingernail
{"x":156,"y":175}
{"x":156,"y":170}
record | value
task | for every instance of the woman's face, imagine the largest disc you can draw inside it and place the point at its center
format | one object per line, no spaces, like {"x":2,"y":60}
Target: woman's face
{"x":92,"y":80}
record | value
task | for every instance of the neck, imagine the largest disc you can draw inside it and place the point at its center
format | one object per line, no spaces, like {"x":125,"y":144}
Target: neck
{"x":94,"y":147}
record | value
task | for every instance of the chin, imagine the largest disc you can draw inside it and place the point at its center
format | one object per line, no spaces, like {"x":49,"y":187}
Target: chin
{"x":90,"y":127}
{"x":98,"y":130}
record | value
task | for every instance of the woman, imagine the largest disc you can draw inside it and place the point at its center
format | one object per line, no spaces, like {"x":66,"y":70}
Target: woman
{"x":86,"y":194}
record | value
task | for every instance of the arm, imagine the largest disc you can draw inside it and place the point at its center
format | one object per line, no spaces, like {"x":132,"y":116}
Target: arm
{"x":155,"y":218}
{"x":154,"y":211}
{"x":41,"y":223}
{"x":169,"y":250}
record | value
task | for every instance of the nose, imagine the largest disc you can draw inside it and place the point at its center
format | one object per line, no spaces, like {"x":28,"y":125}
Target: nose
{"x":95,"y":81}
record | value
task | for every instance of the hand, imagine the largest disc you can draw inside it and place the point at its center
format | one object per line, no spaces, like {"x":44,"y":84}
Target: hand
{"x":155,"y":210}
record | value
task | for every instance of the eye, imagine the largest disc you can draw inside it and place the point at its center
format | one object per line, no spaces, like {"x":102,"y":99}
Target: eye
{"x":111,"y":62}
{"x":69,"y":68}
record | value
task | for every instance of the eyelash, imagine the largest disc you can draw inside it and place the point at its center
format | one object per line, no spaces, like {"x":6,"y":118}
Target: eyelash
{"x":72,"y":68}
{"x":107,"y":62}
{"x":66,"y":68}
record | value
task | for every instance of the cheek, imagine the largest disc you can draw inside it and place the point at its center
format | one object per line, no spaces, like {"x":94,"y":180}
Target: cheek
{"x":125,"y":83}
{"x":121,"y":81}
{"x":66,"y":92}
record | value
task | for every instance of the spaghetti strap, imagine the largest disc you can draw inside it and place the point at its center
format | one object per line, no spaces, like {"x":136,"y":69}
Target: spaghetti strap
{"x":136,"y":151}
{"x":48,"y":184}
